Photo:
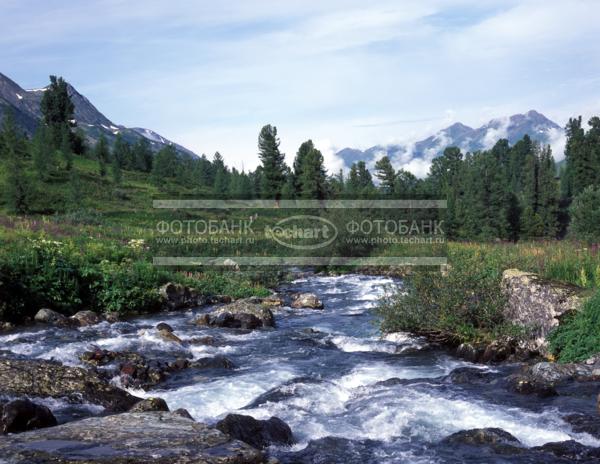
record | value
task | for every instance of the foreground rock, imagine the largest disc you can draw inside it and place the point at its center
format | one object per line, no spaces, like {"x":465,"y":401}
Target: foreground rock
{"x":45,"y":378}
{"x":242,"y":314}
{"x":488,"y":436}
{"x":22,"y":415}
{"x":132,"y":438}
{"x":307,"y":300}
{"x":538,"y":304}
{"x":257,"y":433}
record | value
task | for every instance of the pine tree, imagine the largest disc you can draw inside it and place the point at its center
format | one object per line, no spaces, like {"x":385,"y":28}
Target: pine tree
{"x":312,"y":180}
{"x":548,"y":192}
{"x":273,"y":164}
{"x":121,"y":152}
{"x":57,"y":110}
{"x":102,"y":154}
{"x":360,"y":183}
{"x":142,"y":155}
{"x":165,"y":165}
{"x":75,"y":191}
{"x":13,"y":153}
{"x":117,"y":174}
{"x":221,"y":177}
{"x":580,"y":165}
{"x":385,"y":173}
{"x":42,"y":153}
{"x":65,"y":148}
{"x":299,"y":161}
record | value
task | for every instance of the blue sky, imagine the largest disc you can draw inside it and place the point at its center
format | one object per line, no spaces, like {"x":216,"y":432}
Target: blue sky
{"x":345,"y":73}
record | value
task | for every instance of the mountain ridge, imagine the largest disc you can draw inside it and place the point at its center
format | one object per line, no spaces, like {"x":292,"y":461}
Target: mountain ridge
{"x":25,"y":105}
{"x":468,"y":139}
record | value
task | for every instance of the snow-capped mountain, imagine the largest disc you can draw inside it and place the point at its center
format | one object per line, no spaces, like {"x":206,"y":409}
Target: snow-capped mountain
{"x":513,"y":128}
{"x":25,"y":105}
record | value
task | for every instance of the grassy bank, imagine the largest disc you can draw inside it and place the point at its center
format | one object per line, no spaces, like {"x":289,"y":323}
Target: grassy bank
{"x":68,"y":264}
{"x":466,"y":302}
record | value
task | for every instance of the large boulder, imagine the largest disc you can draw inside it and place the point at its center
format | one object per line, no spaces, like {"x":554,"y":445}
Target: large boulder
{"x":257,"y":433}
{"x":46,"y":378}
{"x":241,"y":314}
{"x":22,"y":415}
{"x":177,"y":296}
{"x":48,"y":316}
{"x":307,"y":300}
{"x":132,"y":438}
{"x":85,"y":318}
{"x":538,"y":304}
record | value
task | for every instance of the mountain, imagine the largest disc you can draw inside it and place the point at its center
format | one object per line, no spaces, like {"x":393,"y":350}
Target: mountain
{"x":25,"y":105}
{"x":513,"y":128}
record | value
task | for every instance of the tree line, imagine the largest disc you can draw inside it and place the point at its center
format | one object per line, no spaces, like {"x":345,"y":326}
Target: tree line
{"x":504,"y":193}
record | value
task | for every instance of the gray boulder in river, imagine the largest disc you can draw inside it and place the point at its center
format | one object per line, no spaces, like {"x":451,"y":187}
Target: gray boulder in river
{"x":132,"y":438}
{"x":46,"y":378}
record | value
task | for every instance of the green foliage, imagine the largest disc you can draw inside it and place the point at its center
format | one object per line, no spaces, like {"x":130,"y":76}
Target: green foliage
{"x":585,"y":215}
{"x":578,"y":337}
{"x":466,"y":304}
{"x":17,"y":188}
{"x":386,"y":174}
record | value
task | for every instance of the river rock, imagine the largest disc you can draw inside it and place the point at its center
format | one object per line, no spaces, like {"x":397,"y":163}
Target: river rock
{"x":183,"y":413}
{"x":584,"y":423}
{"x":85,"y":318}
{"x":257,"y":433}
{"x":469,"y":376}
{"x":487,"y":436}
{"x":46,"y":378}
{"x":307,"y":300}
{"x":177,"y":296}
{"x":112,"y":317}
{"x":132,"y":438}
{"x":538,"y":304}
{"x":48,"y":316}
{"x":163,"y":326}
{"x":150,"y":404}
{"x":22,"y":415}
{"x":169,"y":336}
{"x":530,"y":386}
{"x":214,"y":362}
{"x":550,"y":372}
{"x":570,"y":450}
{"x":241,"y":314}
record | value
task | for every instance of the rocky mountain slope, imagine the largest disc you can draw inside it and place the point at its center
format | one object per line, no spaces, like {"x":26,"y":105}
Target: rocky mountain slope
{"x":25,"y":105}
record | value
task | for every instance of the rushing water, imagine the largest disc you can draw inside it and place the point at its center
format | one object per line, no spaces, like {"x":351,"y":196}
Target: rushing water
{"x":348,"y":395}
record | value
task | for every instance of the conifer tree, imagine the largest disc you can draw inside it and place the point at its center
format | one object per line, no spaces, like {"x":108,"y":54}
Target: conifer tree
{"x":57,"y":110}
{"x":13,"y":152}
{"x":273,"y":164}
{"x":117,"y":174}
{"x":313,"y":177}
{"x":385,"y":173}
{"x":42,"y":153}
{"x":102,"y":154}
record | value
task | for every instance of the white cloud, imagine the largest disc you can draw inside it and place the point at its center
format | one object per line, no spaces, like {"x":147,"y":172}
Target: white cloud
{"x":498,"y":130}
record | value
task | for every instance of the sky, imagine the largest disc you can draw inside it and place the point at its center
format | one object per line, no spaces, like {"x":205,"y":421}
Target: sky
{"x":209,"y":75}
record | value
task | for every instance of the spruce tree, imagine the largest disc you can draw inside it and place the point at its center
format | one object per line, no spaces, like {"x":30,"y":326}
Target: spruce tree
{"x":273,"y":164}
{"x":65,"y":148}
{"x":142,"y":155}
{"x":299,"y":161}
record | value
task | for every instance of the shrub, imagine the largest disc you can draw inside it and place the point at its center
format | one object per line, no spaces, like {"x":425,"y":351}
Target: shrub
{"x":578,"y":337}
{"x":465,"y":304}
